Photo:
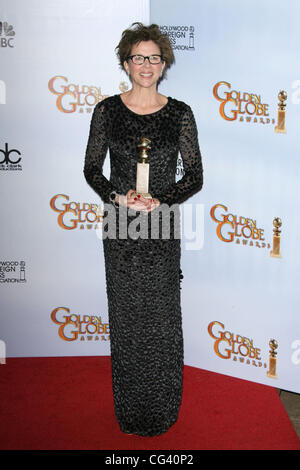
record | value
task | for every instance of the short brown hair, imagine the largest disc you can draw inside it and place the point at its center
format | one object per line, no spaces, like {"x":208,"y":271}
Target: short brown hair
{"x":139,"y":32}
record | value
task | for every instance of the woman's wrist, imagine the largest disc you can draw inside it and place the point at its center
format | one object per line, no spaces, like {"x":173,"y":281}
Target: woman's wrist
{"x":114,"y":198}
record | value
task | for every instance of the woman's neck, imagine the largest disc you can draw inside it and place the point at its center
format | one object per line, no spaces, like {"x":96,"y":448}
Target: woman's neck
{"x":144,"y":100}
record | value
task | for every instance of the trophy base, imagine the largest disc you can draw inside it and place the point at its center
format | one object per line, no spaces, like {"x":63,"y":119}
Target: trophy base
{"x":145,"y":195}
{"x":272,"y":376}
{"x":280,"y":131}
{"x":275,"y":255}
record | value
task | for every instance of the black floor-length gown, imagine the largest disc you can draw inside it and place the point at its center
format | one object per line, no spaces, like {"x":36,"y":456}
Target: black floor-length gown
{"x":143,"y":274}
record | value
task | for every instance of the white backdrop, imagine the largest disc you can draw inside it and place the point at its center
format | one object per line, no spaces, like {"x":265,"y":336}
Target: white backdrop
{"x":250,"y":170}
{"x":57,"y":61}
{"x":46,"y":203}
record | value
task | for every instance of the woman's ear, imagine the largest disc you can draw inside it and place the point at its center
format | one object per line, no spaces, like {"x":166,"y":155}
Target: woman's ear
{"x":126,"y":66}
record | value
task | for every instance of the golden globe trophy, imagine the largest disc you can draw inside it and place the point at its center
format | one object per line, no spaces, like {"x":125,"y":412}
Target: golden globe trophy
{"x":272,"y":359}
{"x":280,"y":128}
{"x":275,"y":253}
{"x":142,"y":170}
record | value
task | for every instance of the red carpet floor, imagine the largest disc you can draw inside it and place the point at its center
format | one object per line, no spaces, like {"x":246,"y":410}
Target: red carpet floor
{"x":65,"y":403}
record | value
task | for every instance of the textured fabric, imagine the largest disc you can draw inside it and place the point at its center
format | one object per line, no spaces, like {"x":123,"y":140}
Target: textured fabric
{"x":143,"y":275}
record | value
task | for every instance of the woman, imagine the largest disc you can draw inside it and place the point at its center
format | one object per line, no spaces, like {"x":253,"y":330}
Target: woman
{"x":143,"y":273}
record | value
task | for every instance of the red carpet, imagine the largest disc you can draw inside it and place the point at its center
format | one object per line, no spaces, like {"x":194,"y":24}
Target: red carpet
{"x":65,"y":403}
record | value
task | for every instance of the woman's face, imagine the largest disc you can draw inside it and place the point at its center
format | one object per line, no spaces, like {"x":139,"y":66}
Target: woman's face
{"x":145,"y":75}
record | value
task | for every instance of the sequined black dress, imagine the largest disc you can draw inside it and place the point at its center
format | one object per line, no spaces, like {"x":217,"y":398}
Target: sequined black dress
{"x":143,"y":274}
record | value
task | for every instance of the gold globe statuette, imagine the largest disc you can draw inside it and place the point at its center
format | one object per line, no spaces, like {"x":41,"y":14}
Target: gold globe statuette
{"x":272,"y":359}
{"x":280,"y":128}
{"x":142,"y":171}
{"x":275,"y":253}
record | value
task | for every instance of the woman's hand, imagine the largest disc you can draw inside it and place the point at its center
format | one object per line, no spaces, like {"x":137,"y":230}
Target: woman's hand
{"x":137,"y":201}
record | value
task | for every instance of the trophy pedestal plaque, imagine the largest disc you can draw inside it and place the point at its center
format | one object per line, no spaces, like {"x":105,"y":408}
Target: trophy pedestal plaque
{"x":280,"y":128}
{"x":142,"y":180}
{"x":275,"y":253}
{"x":272,"y":359}
{"x":142,"y":170}
{"x":272,"y":368}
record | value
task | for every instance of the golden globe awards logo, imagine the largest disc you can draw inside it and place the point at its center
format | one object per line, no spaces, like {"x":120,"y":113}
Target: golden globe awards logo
{"x":74,"y":327}
{"x":72,"y":215}
{"x":72,"y":97}
{"x":241,"y":106}
{"x":239,"y":348}
{"x":232,"y":228}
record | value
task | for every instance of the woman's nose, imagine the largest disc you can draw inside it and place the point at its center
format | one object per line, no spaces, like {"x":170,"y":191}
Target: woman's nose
{"x":147,"y":62}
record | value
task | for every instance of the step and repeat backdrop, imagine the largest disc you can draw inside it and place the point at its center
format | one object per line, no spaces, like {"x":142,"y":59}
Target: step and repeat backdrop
{"x":240,"y":291}
{"x":58,"y":61}
{"x":237,"y":67}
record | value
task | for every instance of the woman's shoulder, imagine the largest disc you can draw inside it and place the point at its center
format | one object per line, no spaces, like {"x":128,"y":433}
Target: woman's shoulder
{"x":107,"y":102}
{"x":180,"y":106}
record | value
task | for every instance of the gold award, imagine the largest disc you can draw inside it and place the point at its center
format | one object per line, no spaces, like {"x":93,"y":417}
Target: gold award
{"x":275,"y":253}
{"x":142,"y":173}
{"x":280,"y":128}
{"x":272,"y":359}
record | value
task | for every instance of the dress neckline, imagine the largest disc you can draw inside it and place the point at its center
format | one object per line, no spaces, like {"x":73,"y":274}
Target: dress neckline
{"x":148,"y":114}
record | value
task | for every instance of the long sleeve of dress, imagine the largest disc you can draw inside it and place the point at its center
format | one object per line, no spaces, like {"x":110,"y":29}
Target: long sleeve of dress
{"x":192,"y":180}
{"x":95,"y":155}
